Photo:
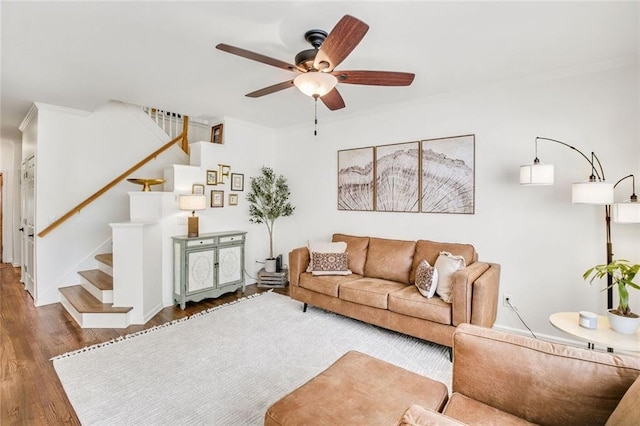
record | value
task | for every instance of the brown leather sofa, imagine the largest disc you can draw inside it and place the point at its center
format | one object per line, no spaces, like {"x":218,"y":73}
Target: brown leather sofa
{"x":380,"y":290}
{"x":498,"y":379}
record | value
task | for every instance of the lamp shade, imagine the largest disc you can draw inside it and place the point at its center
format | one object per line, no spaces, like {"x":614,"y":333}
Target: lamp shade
{"x":592,"y":193}
{"x":536,"y":174}
{"x":626,"y":212}
{"x":193,"y":202}
{"x":315,"y":83}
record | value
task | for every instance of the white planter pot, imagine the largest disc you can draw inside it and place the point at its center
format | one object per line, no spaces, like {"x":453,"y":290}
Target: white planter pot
{"x":624,"y":325}
{"x":270,"y":265}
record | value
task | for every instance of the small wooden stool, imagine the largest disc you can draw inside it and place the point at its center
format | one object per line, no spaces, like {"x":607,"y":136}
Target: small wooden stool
{"x":356,"y":390}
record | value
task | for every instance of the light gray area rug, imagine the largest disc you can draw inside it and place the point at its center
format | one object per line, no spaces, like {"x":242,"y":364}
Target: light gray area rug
{"x":228,"y":365}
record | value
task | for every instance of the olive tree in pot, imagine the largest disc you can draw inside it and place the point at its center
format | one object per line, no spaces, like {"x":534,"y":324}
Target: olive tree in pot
{"x":622,"y":272}
{"x":269,"y":200}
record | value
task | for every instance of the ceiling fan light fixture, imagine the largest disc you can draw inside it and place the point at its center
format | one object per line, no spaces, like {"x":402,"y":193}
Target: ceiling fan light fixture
{"x":315,"y":84}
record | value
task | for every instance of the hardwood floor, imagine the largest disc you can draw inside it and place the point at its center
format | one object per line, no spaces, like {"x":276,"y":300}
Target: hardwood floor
{"x":30,"y":392}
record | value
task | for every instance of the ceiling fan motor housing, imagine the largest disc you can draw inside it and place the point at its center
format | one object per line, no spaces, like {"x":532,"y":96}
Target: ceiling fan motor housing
{"x":306,"y":57}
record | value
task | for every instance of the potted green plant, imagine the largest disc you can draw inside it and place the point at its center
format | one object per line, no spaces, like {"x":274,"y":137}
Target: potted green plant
{"x":269,"y":200}
{"x":622,"y":272}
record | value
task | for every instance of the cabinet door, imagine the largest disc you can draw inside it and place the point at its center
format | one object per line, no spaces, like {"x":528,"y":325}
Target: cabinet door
{"x":230,"y":265}
{"x":201,"y":272}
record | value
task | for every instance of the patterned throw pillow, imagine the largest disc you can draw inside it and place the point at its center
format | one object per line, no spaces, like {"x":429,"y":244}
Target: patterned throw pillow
{"x":426,"y":279}
{"x":330,"y":264}
{"x":447,"y":265}
{"x":324,"y":247}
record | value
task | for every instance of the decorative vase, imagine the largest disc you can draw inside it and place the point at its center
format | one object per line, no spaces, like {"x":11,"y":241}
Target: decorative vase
{"x":270,"y":264}
{"x":624,"y":325}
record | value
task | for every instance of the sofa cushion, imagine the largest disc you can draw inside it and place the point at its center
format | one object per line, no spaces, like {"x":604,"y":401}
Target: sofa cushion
{"x":389,"y":259}
{"x":324,"y":247}
{"x":326,"y":284}
{"x":408,"y":301}
{"x":329,"y":264}
{"x":447,"y":265}
{"x":628,"y":410}
{"x":357,"y":250}
{"x":369,"y":291}
{"x":470,"y":411}
{"x":429,"y":251}
{"x":426,"y":279}
{"x":417,"y":415}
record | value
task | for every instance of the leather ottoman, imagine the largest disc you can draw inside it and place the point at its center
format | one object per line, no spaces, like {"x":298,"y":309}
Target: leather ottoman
{"x":357,"y":389}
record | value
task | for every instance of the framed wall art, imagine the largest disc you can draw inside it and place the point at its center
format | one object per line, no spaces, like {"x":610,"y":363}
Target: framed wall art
{"x":216,"y":133}
{"x":217,"y":198}
{"x":237,"y":182}
{"x":223,"y":172}
{"x":355,"y":179}
{"x":448,"y":175}
{"x":197,"y":188}
{"x":233,"y":199}
{"x":212,"y":177}
{"x":397,"y":177}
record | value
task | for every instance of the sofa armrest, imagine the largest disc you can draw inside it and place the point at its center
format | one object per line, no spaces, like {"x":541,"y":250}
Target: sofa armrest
{"x":298,"y":263}
{"x":475,"y":294}
{"x":541,"y":382}
{"x":417,"y":415}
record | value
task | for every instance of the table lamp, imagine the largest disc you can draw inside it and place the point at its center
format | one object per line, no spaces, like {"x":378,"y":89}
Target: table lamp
{"x":193,"y":202}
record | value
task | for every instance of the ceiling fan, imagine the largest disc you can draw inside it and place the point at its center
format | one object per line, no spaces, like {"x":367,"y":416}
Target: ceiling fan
{"x":317,"y":76}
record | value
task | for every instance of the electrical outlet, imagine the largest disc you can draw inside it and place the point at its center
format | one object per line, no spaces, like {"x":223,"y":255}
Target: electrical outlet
{"x":507,"y":299}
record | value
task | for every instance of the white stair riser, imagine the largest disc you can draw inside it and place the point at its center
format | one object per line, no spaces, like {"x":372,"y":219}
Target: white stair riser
{"x":96,"y":320}
{"x":105,"y":268}
{"x":105,"y":296}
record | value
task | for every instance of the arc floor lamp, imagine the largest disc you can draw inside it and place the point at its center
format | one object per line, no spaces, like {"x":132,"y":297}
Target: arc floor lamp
{"x":596,"y":190}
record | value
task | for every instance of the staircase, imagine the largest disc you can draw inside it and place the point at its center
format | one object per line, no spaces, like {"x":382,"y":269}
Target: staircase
{"x":91,"y":302}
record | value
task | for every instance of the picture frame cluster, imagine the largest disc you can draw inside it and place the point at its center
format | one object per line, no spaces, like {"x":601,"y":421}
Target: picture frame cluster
{"x":218,"y":178}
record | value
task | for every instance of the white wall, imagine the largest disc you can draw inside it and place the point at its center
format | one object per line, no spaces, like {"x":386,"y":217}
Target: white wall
{"x":543,"y":242}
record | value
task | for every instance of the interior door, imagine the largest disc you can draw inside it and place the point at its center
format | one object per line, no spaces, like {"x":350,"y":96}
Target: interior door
{"x":27,"y":224}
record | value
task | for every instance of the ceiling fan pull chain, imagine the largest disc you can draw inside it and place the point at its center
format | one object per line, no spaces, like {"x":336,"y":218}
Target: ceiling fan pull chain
{"x":315,"y":128}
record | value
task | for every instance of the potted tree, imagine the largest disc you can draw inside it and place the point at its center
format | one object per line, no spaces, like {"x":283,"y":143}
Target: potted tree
{"x":269,"y":200}
{"x":621,"y":319}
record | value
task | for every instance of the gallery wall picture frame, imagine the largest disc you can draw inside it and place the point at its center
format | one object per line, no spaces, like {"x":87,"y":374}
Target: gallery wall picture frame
{"x":217,"y":198}
{"x":356,"y":183}
{"x":448,"y":175}
{"x":237,"y":182}
{"x":212,"y":177}
{"x":223,"y":172}
{"x":397,"y":168}
{"x":197,"y":188}
{"x":216,"y":134}
{"x":233,"y":199}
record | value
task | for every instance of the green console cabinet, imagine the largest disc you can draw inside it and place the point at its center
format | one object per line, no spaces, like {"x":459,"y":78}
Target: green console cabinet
{"x":209,"y":265}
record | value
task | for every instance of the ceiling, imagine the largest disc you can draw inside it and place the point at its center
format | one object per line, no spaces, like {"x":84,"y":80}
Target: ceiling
{"x":162,"y":54}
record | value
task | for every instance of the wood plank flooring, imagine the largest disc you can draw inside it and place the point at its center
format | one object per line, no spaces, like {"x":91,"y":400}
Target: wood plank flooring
{"x":30,"y":392}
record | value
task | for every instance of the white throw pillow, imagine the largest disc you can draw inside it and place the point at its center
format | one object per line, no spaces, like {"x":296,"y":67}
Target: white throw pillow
{"x":324,"y":247}
{"x":426,"y":279}
{"x":447,"y":265}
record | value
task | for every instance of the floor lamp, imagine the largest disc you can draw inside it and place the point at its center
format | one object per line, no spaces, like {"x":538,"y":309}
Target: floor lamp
{"x":593,"y":191}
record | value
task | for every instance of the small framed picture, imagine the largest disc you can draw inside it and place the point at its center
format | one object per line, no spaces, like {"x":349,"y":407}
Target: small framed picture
{"x":217,"y":198}
{"x":223,"y":172}
{"x":197,"y":188}
{"x":233,"y":199}
{"x":237,"y":182}
{"x":216,"y":133}
{"x":212,"y":177}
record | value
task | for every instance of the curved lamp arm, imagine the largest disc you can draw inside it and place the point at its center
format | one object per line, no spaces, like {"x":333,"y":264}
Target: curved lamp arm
{"x":594,"y":171}
{"x":633,"y":197}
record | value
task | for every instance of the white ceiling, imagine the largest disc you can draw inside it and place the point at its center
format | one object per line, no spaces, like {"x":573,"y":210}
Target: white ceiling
{"x":81,"y":54}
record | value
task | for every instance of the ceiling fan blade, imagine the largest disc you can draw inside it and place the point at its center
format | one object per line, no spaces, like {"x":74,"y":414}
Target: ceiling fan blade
{"x":375,"y":78}
{"x":344,"y":37}
{"x":333,"y":100}
{"x":256,"y":57}
{"x":271,"y":89}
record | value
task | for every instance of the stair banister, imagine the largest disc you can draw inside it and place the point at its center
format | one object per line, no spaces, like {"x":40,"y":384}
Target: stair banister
{"x":185,"y":146}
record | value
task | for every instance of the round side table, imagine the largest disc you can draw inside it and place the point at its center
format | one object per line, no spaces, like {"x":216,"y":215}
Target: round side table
{"x":568,"y":322}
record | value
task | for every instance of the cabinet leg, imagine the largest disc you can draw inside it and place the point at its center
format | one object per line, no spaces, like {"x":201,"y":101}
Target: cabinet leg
{"x":304,"y":308}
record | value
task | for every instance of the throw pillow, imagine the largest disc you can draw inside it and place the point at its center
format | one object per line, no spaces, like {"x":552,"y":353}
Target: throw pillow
{"x":447,"y":265}
{"x":330,"y":264}
{"x":324,"y":247}
{"x":426,"y":279}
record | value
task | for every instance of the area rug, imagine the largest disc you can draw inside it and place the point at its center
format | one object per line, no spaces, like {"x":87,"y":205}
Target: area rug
{"x":226,"y":366}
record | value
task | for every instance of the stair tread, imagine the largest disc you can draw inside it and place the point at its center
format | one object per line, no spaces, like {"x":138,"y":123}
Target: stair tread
{"x":106,"y":258}
{"x":85,"y":303}
{"x":101,"y":280}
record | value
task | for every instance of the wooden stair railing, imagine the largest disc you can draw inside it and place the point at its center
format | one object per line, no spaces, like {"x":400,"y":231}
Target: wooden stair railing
{"x":185,"y":146}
